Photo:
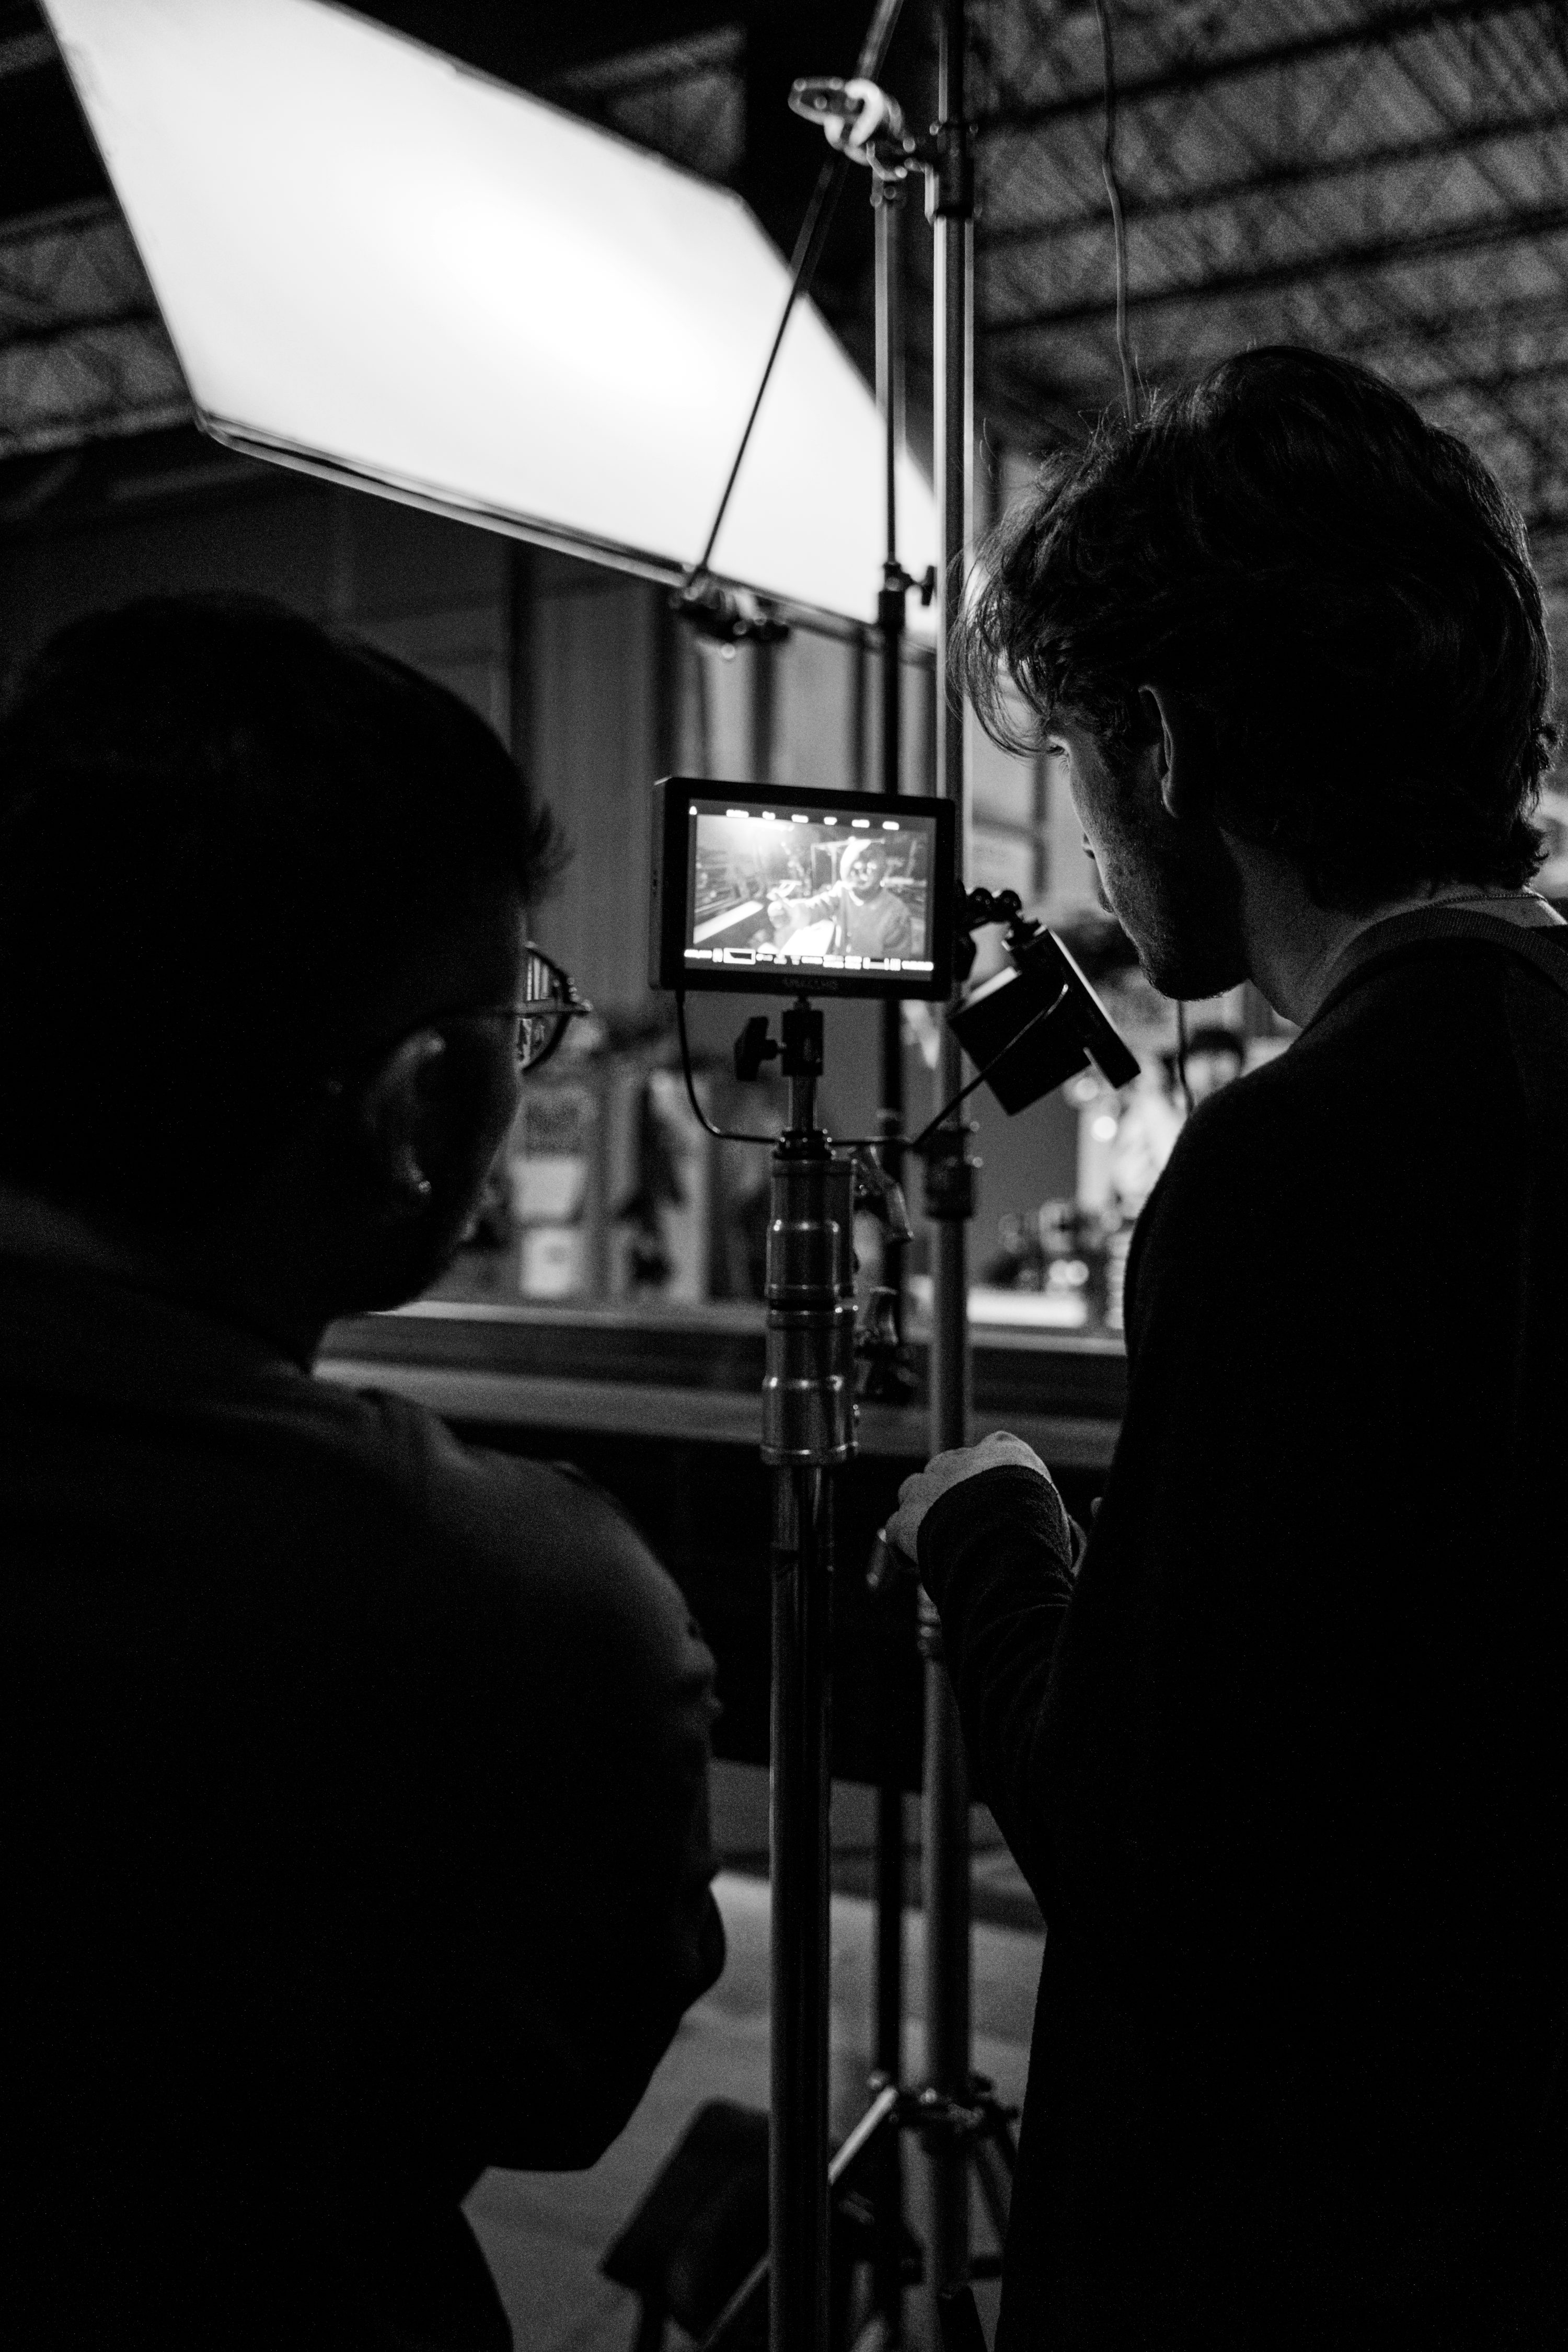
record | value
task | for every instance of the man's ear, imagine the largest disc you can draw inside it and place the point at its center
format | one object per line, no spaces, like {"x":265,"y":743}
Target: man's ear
{"x":1173,"y":734}
{"x":395,"y":1108}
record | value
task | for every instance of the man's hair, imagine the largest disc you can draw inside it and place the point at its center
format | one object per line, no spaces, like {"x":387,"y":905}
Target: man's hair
{"x":224,"y":833}
{"x":1341,"y":593}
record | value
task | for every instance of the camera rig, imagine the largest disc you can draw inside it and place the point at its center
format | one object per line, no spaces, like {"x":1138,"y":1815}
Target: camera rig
{"x":1030,"y":1028}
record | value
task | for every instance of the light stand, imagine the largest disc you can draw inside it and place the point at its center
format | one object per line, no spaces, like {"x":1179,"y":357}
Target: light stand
{"x":893,"y":1381}
{"x":960,"y":2125}
{"x":808,"y":1423}
{"x":949,"y":2091}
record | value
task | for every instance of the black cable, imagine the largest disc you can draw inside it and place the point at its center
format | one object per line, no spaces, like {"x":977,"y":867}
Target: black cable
{"x":721,"y":1134}
{"x":808,"y":253}
{"x":861,"y":1142}
{"x":1182,"y":1056}
{"x":1118,"y":223}
{"x":844,"y":1142}
{"x":982,"y":1075}
{"x":730,"y":1135}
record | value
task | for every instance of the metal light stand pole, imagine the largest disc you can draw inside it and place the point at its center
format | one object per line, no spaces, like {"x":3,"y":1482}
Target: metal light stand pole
{"x":949,"y":1200}
{"x":888,"y":1969}
{"x":808,"y":1429}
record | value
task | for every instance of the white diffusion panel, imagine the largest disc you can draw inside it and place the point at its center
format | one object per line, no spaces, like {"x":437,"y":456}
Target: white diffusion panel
{"x":373,"y":259}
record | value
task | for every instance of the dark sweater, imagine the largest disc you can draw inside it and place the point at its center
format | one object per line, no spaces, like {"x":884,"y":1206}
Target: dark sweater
{"x":357,"y":1837}
{"x":1288,"y":1766}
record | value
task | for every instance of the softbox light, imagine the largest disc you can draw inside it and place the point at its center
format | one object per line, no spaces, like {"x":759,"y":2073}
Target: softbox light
{"x":382,"y":266}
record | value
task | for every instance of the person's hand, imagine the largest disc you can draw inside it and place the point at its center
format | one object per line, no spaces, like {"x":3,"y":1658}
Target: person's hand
{"x":916,"y":1494}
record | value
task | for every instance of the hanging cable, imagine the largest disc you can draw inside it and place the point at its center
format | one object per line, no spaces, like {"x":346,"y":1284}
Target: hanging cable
{"x":1118,"y":221}
{"x":808,"y":253}
{"x":1182,"y":1057}
{"x":919,"y":1142}
{"x":849,"y":1142}
{"x":721,"y":1134}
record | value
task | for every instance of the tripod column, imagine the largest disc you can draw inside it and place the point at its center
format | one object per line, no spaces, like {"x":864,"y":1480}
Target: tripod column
{"x":799,"y":1794}
{"x":808,"y":1429}
{"x":949,"y":1200}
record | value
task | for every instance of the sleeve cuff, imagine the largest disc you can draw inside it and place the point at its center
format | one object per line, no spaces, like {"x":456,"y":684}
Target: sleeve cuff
{"x":1009,"y":1500}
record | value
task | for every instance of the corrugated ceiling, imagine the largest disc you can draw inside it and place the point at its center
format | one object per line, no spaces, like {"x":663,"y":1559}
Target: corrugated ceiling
{"x":1385,"y":179}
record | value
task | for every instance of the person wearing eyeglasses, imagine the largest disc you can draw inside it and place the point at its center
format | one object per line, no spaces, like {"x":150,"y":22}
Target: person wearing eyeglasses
{"x":358,"y":1821}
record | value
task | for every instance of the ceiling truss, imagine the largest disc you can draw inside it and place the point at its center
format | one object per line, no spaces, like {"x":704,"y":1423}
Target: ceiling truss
{"x":1385,"y":178}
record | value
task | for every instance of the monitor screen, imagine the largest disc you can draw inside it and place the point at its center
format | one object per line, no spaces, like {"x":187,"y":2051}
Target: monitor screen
{"x":811,"y":891}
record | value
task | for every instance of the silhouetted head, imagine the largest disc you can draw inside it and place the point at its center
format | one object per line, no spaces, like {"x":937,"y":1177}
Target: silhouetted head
{"x":242,"y":862}
{"x":1334,"y":596}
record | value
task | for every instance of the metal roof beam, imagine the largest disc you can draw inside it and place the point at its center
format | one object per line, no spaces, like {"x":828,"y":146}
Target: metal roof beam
{"x":1455,"y":140}
{"x":1422,"y":331}
{"x":81,"y":324}
{"x":23,"y":53}
{"x":1378,"y":253}
{"x":1378,"y":29}
{"x":1492,"y":380}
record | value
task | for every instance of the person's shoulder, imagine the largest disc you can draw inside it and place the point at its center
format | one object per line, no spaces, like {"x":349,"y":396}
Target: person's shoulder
{"x":1242,"y":1122}
{"x":513,"y":1539}
{"x":1263,"y":1142}
{"x":1439,"y":981}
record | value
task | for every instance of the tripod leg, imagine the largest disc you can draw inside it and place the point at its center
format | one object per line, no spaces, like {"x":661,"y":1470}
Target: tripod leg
{"x":735,"y":2323}
{"x":888,"y":2260}
{"x":959,"y":2321}
{"x":994,"y":2179}
{"x":1000,"y":2136}
{"x":864,"y":2152}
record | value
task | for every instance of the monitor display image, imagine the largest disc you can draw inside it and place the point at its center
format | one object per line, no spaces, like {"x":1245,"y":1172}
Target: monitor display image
{"x":826,"y":895}
{"x":838,"y":893}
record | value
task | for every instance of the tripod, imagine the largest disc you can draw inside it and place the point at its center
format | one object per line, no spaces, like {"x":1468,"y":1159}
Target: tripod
{"x":808,"y":1412}
{"x":808,"y":1433}
{"x":961,"y":2127}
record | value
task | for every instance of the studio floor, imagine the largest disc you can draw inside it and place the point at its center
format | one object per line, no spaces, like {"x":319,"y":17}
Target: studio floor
{"x":544,"y":2234}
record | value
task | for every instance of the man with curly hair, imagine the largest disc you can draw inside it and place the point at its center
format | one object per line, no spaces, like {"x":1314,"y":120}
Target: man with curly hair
{"x":1282,"y":1748}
